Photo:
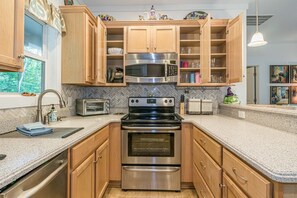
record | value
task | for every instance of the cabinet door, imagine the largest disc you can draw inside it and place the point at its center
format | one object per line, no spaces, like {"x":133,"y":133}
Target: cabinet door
{"x":100,"y":52}
{"x":234,"y":50}
{"x":163,"y":38}
{"x":230,"y":189}
{"x":115,"y":165}
{"x":82,"y":179}
{"x":138,"y":39}
{"x":90,"y":49}
{"x":102,"y":168}
{"x":205,"y":50}
{"x":11,"y":35}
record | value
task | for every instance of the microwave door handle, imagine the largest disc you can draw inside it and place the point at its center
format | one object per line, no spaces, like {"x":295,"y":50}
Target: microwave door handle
{"x":166,"y":70}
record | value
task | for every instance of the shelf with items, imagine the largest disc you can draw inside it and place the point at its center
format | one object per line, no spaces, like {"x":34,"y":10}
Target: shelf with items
{"x":115,"y":58}
{"x":190,"y":76}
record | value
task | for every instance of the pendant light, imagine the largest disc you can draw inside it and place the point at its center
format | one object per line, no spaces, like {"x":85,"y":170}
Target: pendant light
{"x":257,"y":39}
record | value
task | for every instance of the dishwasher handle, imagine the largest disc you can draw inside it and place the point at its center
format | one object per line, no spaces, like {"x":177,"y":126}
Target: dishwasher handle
{"x":35,"y":189}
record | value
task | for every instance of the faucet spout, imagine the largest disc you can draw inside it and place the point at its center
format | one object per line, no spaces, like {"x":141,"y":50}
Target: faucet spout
{"x":39,"y":102}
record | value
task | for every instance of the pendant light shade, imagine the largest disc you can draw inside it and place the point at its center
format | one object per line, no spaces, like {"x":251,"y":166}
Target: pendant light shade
{"x":257,"y":39}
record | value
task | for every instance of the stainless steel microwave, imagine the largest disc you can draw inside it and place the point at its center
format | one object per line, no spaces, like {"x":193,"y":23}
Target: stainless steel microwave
{"x":151,"y":68}
{"x":87,"y":107}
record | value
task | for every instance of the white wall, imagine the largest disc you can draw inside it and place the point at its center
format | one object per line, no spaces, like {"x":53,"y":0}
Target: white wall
{"x":178,"y":12}
{"x":271,"y":54}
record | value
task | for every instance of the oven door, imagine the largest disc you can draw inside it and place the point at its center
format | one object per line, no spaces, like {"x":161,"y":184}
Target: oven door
{"x":146,"y":147}
{"x":94,"y":107}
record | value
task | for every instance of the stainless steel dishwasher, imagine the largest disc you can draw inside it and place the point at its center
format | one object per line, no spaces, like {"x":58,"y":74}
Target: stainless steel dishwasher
{"x":47,"y":181}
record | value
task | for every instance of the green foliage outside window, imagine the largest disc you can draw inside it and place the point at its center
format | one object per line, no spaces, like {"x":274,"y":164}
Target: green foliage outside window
{"x":27,"y":81}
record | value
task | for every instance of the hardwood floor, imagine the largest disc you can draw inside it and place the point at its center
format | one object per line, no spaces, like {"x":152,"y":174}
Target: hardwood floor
{"x":118,"y":193}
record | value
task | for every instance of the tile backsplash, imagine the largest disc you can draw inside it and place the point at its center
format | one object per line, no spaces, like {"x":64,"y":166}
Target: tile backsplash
{"x":10,"y":118}
{"x":119,"y":95}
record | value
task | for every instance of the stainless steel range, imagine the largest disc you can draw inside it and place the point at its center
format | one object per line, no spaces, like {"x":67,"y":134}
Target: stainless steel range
{"x":151,"y":144}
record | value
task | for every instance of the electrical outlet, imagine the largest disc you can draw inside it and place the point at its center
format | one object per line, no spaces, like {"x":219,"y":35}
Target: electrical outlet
{"x":241,"y":114}
{"x":69,"y":101}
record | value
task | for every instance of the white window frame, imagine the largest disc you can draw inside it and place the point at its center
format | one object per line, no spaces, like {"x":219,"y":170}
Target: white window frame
{"x":52,"y":65}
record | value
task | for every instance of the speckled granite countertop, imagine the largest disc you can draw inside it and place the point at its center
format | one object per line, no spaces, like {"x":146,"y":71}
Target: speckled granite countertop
{"x":272,"y":152}
{"x":23,"y":155}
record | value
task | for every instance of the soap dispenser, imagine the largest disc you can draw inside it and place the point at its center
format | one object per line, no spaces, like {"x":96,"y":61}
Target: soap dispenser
{"x":53,"y":117}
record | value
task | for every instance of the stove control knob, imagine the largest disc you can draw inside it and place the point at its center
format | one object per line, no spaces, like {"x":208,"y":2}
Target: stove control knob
{"x":136,"y":101}
{"x":166,"y":101}
{"x":170,"y":101}
{"x":132,"y":101}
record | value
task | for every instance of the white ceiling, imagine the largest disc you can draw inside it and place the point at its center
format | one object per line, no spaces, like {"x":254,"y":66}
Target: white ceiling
{"x":282,"y":27}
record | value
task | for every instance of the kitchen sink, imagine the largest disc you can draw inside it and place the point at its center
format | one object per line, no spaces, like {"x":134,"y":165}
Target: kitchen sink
{"x":58,"y":132}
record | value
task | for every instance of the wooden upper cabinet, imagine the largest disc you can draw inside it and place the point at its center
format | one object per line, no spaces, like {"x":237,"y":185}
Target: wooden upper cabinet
{"x":143,"y":39}
{"x":100,"y":47}
{"x":138,"y":39}
{"x":11,"y":35}
{"x":90,"y":49}
{"x":234,"y":50}
{"x":78,"y":46}
{"x":163,"y":38}
{"x":205,"y":50}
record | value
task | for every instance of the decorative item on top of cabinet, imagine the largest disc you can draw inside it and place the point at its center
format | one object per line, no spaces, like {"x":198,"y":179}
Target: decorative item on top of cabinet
{"x":79,"y":63}
{"x":157,"y":39}
{"x":12,"y":13}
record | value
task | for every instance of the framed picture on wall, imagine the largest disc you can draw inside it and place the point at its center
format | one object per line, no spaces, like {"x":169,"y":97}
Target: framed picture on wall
{"x":279,"y":73}
{"x":293,"y":74}
{"x":279,"y":95}
{"x":293,"y":95}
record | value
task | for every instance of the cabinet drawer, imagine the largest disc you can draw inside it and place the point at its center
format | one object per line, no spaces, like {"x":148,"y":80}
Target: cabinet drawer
{"x":200,"y":185}
{"x":208,"y":168}
{"x":81,"y":151}
{"x":231,"y":189}
{"x":249,"y":180}
{"x":101,"y":136}
{"x":209,"y":145}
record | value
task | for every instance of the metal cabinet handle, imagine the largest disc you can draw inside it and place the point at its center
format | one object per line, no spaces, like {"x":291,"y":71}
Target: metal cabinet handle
{"x":35,"y":189}
{"x":222,"y":185}
{"x":242,"y":178}
{"x":202,"y":165}
{"x":202,"y":142}
{"x":151,"y":170}
{"x":21,"y":56}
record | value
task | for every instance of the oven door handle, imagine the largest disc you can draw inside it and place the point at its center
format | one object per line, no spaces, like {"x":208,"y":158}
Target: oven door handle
{"x":35,"y":189}
{"x":151,"y":128}
{"x":173,"y":169}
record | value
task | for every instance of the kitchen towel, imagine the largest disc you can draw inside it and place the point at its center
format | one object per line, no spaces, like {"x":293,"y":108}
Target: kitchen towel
{"x":34,"y":132}
{"x":35,"y":125}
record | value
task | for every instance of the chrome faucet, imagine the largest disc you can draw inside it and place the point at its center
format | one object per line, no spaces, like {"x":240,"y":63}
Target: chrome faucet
{"x":39,"y":103}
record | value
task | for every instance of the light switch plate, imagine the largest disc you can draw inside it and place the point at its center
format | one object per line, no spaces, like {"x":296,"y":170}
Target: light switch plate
{"x":241,"y":114}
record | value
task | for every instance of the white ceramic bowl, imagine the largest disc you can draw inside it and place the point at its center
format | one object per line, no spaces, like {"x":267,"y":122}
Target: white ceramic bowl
{"x":115,"y":50}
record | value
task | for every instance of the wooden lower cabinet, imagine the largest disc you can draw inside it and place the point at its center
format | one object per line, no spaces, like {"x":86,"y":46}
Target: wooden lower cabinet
{"x":230,"y":189}
{"x":186,"y":153}
{"x":102,"y":168}
{"x":115,"y":160}
{"x":200,"y":185}
{"x":82,"y":179}
{"x":89,"y":166}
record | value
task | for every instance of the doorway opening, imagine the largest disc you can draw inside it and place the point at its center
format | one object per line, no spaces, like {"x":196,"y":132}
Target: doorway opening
{"x":253,"y":84}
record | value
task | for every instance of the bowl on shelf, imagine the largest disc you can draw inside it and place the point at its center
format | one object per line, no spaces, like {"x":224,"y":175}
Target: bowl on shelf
{"x":115,"y":50}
